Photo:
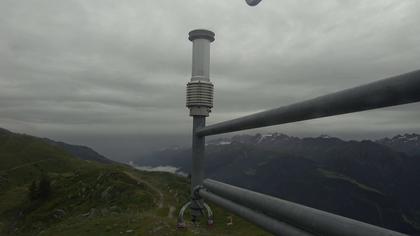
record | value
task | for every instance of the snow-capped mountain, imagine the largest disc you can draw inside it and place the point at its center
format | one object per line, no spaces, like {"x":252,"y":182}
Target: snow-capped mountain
{"x":407,"y":143}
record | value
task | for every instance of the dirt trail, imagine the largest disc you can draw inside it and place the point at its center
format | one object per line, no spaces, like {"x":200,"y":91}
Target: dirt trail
{"x":148,"y":184}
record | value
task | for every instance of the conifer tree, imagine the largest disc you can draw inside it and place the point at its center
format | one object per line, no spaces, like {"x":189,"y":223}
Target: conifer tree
{"x":44,"y":188}
{"x":33,"y":192}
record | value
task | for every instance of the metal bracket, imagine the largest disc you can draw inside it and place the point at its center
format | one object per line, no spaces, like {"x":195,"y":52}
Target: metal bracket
{"x":196,"y":197}
{"x":196,"y":192}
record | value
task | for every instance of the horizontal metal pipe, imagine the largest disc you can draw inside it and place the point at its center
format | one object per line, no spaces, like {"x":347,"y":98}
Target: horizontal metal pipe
{"x":309,"y":219}
{"x":271,"y":225}
{"x":393,"y":91}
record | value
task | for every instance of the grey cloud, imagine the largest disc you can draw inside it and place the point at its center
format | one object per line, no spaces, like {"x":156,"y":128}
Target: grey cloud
{"x":100,"y":72}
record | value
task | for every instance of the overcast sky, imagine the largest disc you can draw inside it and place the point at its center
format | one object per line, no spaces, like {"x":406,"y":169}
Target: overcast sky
{"x":111,"y":74}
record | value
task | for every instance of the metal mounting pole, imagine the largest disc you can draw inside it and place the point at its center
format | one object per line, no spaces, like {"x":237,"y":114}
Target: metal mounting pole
{"x":197,"y":168}
{"x":200,"y":102}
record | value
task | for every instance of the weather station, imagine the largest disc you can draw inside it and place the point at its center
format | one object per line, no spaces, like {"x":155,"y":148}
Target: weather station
{"x":275,"y":215}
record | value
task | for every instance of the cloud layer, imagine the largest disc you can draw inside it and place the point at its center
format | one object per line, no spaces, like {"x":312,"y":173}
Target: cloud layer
{"x":103,"y":71}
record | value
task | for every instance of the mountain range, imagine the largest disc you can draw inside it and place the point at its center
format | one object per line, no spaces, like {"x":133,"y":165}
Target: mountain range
{"x":375,"y":181}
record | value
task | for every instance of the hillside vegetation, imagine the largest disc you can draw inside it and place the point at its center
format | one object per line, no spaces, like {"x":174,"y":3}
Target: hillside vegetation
{"x":90,"y":198}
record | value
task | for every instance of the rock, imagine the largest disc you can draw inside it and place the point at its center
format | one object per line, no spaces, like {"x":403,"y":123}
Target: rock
{"x":99,"y":176}
{"x":129,"y":231}
{"x":85,"y":214}
{"x":115,"y":209}
{"x":104,"y":211}
{"x":59,"y":213}
{"x":92,"y":212}
{"x":106,"y":193}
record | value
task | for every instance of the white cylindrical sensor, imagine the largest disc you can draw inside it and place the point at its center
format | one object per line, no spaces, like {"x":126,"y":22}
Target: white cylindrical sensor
{"x":200,"y":89}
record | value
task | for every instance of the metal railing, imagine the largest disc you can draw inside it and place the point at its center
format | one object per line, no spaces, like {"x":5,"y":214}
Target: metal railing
{"x":275,"y":215}
{"x":393,"y":91}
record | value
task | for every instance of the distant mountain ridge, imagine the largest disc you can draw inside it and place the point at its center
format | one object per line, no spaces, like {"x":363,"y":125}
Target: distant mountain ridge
{"x":365,"y":180}
{"x":79,"y":151}
{"x":4,"y":131}
{"x":406,"y":143}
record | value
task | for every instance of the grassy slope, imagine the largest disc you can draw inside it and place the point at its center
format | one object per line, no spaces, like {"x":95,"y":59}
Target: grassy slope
{"x":92,"y":199}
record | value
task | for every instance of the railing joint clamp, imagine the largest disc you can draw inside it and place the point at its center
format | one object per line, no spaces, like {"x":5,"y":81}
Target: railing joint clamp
{"x":196,"y":192}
